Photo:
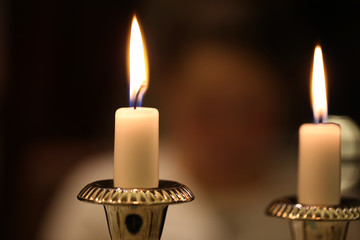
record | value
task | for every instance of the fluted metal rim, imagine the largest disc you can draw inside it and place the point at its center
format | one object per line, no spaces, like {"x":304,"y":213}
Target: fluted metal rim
{"x":289,"y":208}
{"x":104,"y":192}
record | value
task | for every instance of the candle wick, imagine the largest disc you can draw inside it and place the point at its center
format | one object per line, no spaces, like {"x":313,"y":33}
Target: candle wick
{"x":137,"y":96}
{"x":321,"y":120}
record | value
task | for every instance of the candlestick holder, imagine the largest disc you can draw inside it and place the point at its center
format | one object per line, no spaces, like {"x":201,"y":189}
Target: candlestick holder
{"x":135,"y":213}
{"x":308,"y":222}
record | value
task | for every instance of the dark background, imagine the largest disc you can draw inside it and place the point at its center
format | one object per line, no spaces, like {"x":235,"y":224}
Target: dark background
{"x":63,"y":75}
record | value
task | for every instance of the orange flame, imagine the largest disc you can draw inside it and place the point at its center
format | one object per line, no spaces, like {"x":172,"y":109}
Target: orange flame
{"x":318,"y":88}
{"x":138,"y":65}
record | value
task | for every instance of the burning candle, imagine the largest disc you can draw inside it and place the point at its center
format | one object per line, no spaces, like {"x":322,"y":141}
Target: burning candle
{"x":319,"y":148}
{"x":136,"y":146}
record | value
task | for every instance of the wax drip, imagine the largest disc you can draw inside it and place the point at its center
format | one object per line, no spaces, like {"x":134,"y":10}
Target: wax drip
{"x":137,"y":96}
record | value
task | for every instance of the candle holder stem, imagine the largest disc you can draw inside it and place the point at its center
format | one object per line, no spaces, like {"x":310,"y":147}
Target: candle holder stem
{"x":135,"y":214}
{"x":129,"y":221}
{"x":316,"y":230}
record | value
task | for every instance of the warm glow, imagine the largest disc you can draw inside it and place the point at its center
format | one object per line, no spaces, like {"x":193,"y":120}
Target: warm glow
{"x":138,"y":65}
{"x":318,"y":88}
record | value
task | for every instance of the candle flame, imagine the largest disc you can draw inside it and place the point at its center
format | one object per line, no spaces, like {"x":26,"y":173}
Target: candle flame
{"x":138,"y":65}
{"x":318,"y":88}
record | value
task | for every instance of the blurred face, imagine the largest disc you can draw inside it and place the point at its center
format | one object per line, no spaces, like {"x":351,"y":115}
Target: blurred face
{"x":223,"y":115}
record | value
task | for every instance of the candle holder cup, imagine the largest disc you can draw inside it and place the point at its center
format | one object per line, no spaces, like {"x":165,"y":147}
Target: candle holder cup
{"x":308,"y":222}
{"x":135,"y":213}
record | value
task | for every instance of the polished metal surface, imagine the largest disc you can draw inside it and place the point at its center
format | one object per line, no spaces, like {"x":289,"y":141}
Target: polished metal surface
{"x":318,"y":230}
{"x":135,"y":222}
{"x":103,"y":192}
{"x":288,"y":208}
{"x":136,"y":213}
{"x":308,"y":222}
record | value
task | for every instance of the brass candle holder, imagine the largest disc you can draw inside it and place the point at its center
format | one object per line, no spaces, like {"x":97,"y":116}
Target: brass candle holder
{"x":135,"y":213}
{"x":309,"y":222}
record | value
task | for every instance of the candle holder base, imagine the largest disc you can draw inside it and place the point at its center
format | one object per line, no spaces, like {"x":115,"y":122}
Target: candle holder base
{"x":135,"y":213}
{"x":309,"y":222}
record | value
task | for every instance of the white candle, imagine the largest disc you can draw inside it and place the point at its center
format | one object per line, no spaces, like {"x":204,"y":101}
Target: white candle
{"x":136,"y":145}
{"x":136,"y":148}
{"x":319,"y":148}
{"x":319,"y":164}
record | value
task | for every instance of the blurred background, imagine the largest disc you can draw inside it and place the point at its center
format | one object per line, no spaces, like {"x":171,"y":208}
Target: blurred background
{"x":230,"y":79}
